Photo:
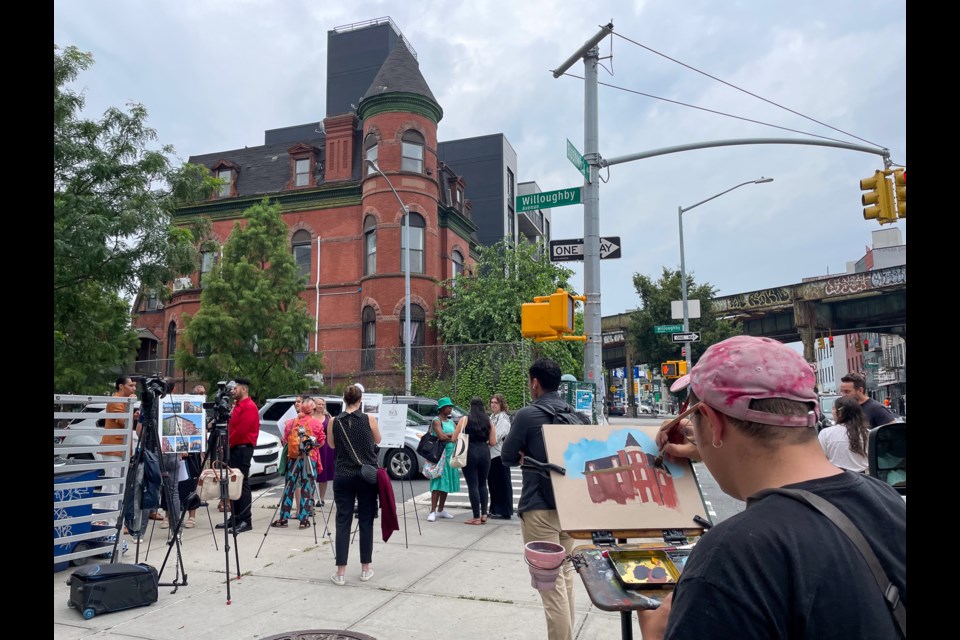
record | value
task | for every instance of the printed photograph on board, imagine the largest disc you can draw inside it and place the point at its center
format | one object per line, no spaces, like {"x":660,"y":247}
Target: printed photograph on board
{"x":182,"y":424}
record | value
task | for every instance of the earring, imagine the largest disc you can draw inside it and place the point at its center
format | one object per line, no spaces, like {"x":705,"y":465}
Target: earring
{"x":717,"y":446}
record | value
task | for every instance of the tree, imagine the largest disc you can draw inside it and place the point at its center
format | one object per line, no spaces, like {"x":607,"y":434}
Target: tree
{"x":483,"y":308}
{"x":655,"y":299}
{"x":113,"y":198}
{"x":252,"y":321}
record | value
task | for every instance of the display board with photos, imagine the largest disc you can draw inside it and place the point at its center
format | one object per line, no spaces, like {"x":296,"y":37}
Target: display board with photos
{"x":182,"y":424}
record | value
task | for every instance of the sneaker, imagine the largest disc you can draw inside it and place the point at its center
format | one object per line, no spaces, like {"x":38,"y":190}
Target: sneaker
{"x":165,"y":524}
{"x":340,"y":580}
{"x":366,"y":575}
{"x":432,"y":517}
{"x":445,"y":514}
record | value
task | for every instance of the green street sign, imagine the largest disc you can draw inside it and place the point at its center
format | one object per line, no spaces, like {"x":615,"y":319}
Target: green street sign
{"x":667,"y":328}
{"x":656,"y":396}
{"x":548,"y":199}
{"x":578,"y":160}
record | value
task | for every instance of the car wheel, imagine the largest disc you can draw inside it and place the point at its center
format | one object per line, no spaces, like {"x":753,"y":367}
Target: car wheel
{"x":401,"y":464}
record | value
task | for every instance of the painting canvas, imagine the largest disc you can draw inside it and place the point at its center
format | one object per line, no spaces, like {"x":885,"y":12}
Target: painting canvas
{"x":611,"y":482}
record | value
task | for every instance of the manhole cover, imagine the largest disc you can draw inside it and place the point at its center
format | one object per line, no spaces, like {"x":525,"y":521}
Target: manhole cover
{"x":320,"y":634}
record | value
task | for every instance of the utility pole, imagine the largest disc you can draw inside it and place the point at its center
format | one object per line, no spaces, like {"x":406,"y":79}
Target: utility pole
{"x":593,"y":350}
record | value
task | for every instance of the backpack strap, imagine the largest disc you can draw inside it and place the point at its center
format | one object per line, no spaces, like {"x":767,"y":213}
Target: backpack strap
{"x":890,"y":592}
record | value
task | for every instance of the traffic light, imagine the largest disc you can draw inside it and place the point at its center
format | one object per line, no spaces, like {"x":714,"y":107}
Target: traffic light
{"x":831,"y":341}
{"x":669,"y":370}
{"x":880,"y":196}
{"x":550,"y":317}
{"x":819,"y":343}
{"x":900,"y":186}
{"x":682,"y":367}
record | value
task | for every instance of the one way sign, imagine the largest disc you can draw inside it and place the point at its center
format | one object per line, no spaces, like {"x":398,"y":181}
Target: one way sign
{"x":568,"y":250}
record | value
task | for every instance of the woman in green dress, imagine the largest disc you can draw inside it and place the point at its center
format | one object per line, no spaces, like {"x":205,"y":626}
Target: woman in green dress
{"x":444,"y":427}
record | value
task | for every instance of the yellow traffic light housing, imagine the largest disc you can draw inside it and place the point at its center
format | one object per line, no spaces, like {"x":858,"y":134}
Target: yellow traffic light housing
{"x":879,"y":198}
{"x":682,"y":367}
{"x":900,"y":187}
{"x":669,"y":370}
{"x":550,"y":317}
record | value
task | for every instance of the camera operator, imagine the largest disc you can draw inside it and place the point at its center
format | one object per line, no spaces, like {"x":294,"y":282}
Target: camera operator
{"x":244,"y":427}
{"x":303,"y":437}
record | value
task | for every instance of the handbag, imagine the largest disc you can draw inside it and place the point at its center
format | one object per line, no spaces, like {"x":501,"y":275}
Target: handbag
{"x":282,"y":465}
{"x":434,"y":470}
{"x":367,"y":471}
{"x":430,"y":447}
{"x":208,"y":484}
{"x":458,"y":460}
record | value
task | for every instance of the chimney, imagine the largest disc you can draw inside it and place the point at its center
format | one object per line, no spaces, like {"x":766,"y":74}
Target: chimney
{"x":339,"y":147}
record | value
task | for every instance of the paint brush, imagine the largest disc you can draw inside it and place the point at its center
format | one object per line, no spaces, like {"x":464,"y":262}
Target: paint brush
{"x":674,"y":433}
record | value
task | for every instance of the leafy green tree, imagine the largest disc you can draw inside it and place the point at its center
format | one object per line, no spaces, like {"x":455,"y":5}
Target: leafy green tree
{"x":483,"y":307}
{"x":113,"y":197}
{"x":655,"y":299}
{"x":252,"y":321}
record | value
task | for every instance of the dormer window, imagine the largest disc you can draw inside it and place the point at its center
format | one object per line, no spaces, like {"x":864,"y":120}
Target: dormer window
{"x":303,"y":160}
{"x":226,"y":172}
{"x":412,"y":152}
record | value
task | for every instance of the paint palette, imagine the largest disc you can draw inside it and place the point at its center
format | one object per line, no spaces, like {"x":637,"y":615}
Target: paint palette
{"x":644,"y":568}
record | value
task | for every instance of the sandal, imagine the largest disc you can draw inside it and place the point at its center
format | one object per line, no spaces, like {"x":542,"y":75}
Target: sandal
{"x":282,"y":522}
{"x":304,"y":524}
{"x":189,"y":524}
{"x":483,"y":519}
{"x":473,"y":521}
{"x":156,"y":516}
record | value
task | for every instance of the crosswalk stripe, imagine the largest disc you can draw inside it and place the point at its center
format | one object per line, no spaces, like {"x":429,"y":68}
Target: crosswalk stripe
{"x":461,"y":499}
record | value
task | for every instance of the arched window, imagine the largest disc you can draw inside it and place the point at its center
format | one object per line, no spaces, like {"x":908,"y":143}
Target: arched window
{"x":301,"y":244}
{"x":370,"y":246}
{"x":411,"y":155}
{"x":208,"y":259}
{"x":370,"y":151}
{"x":172,"y":347}
{"x":418,"y":320}
{"x":369,"y":323}
{"x":456,"y":258}
{"x":417,"y":228}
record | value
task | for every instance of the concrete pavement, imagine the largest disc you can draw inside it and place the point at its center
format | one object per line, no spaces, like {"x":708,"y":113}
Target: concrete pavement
{"x":448,"y":580}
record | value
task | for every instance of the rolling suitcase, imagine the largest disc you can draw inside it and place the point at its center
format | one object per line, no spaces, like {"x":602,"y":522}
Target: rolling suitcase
{"x":102,"y":588}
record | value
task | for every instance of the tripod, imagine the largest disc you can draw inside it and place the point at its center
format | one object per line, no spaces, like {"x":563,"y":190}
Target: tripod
{"x":135,"y":506}
{"x":302,"y":475}
{"x":220,"y":457}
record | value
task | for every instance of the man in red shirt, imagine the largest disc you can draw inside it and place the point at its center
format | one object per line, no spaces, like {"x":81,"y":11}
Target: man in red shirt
{"x":244,"y":427}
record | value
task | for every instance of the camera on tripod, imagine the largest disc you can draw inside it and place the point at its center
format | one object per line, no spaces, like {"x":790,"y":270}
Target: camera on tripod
{"x":307,"y":443}
{"x":152,"y":387}
{"x":223,"y":402}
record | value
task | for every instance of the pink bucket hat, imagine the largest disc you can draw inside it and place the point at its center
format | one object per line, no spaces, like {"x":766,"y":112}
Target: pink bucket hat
{"x":732,"y":373}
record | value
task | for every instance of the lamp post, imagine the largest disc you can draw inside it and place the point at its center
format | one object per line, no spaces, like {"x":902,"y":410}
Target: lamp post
{"x":683,"y":270}
{"x":406,"y":280}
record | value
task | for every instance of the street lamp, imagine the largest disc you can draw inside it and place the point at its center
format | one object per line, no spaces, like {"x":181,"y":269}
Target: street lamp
{"x":406,"y":279}
{"x":683,"y":270}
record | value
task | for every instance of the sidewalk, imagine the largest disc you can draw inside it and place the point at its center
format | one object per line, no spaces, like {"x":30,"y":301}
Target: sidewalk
{"x":451,"y":581}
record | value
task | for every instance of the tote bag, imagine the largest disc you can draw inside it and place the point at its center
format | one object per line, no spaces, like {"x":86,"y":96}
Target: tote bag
{"x":459,"y":458}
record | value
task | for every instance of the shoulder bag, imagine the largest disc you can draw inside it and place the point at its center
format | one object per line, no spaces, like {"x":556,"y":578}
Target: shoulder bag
{"x":208,"y":484}
{"x":367,"y":471}
{"x":430,"y":447}
{"x":458,"y":459}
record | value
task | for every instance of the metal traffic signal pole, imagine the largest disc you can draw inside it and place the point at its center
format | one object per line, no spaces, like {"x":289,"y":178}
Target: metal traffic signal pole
{"x":592,"y":352}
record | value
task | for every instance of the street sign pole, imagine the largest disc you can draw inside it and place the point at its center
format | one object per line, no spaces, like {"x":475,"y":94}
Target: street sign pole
{"x":592,"y":353}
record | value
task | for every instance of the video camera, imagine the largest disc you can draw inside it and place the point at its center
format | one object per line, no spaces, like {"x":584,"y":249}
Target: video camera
{"x":223,"y":402}
{"x":307,"y":443}
{"x":155,"y":386}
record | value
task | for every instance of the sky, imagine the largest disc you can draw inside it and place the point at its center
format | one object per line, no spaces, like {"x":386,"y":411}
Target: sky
{"x":214,"y":75}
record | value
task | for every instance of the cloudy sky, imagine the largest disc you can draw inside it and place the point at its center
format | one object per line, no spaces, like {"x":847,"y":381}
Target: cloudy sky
{"x":214,"y":74}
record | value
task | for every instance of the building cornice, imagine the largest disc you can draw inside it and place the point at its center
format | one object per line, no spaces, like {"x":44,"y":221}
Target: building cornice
{"x":403,"y":102}
{"x":325,"y":197}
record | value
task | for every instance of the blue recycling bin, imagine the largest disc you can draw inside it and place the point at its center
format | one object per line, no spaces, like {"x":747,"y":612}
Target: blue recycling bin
{"x":60,"y":476}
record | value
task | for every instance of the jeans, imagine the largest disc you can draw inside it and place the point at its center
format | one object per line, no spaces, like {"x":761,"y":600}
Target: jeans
{"x":346,"y":490}
{"x":475,"y":473}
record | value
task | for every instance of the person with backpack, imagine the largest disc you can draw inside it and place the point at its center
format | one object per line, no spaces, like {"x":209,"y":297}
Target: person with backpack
{"x":537,"y":508}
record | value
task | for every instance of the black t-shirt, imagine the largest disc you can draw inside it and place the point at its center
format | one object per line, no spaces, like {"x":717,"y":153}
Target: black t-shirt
{"x":782,"y":570}
{"x":876,"y":413}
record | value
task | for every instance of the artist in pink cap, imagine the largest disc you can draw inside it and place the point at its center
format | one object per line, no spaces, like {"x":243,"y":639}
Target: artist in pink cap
{"x":780,"y":568}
